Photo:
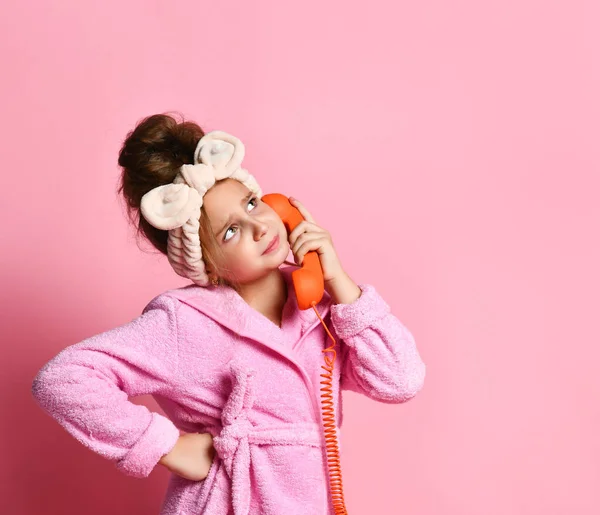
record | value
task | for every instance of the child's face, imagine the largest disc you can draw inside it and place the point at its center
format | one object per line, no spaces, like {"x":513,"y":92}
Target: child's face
{"x":244,"y":226}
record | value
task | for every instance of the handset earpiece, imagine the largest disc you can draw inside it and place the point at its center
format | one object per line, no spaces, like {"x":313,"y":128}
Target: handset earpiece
{"x":308,"y":279}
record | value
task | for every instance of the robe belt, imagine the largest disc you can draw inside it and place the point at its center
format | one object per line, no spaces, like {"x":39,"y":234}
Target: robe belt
{"x":233,"y":442}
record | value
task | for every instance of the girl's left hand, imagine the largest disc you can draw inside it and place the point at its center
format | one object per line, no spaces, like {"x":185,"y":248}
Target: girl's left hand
{"x":307,"y":236}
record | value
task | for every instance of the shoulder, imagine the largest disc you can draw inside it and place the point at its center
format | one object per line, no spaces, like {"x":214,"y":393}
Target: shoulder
{"x":200,"y":319}
{"x":186,"y":303}
{"x":173,"y":298}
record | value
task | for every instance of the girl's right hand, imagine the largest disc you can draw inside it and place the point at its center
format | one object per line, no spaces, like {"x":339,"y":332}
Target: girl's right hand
{"x":191,"y":457}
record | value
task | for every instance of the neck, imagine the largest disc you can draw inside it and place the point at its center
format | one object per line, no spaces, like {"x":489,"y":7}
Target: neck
{"x":267,"y":295}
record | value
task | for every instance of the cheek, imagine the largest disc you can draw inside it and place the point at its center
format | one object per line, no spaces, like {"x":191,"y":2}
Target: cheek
{"x":237,"y":259}
{"x":236,"y":262}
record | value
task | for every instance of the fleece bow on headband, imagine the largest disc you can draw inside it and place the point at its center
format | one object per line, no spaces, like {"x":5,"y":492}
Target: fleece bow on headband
{"x":176,"y":207}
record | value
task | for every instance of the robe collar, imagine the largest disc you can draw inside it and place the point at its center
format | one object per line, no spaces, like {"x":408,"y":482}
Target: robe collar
{"x":224,"y":305}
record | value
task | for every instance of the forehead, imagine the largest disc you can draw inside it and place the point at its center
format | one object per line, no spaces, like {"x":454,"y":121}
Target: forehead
{"x":222,"y":199}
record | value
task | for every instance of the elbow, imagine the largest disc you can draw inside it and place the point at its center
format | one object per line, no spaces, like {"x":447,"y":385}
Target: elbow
{"x":45,"y":387}
{"x":410,"y":376}
{"x":417,"y":380}
{"x":40,"y":388}
{"x":408,"y":384}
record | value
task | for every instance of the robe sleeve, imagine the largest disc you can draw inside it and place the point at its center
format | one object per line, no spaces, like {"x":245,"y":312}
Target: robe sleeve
{"x":86,"y":386}
{"x":379,"y":357}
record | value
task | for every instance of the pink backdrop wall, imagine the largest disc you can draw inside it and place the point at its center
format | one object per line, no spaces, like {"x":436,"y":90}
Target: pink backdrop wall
{"x":451,"y":148}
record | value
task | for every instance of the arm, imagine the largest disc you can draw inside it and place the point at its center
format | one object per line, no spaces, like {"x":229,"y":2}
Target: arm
{"x":379,"y":357}
{"x":85,"y":388}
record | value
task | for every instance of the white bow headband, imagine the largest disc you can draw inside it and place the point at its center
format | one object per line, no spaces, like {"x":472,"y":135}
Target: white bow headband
{"x":176,"y":207}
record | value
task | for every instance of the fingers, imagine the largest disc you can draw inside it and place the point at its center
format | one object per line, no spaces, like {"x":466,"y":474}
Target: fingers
{"x":304,"y":227}
{"x":303,"y":211}
{"x":307,"y":243}
{"x":307,"y":236}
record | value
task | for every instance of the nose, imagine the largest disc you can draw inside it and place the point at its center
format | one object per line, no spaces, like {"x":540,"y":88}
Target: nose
{"x":260,"y":229}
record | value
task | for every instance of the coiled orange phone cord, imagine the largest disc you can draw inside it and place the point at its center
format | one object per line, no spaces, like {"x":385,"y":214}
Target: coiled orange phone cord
{"x":329,"y":426}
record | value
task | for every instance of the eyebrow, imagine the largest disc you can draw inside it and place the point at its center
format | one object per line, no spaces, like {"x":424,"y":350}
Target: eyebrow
{"x":244,"y":200}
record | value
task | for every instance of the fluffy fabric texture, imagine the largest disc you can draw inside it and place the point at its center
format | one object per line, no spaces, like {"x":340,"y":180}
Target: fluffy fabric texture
{"x":176,"y":207}
{"x":214,"y":364}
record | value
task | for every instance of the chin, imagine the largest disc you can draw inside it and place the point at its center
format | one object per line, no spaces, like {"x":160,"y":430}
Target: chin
{"x":278,"y":261}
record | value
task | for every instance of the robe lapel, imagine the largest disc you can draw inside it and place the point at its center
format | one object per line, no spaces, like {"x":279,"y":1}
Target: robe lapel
{"x":228,"y":308}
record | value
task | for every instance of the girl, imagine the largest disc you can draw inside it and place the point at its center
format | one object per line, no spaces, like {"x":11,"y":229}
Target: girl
{"x":230,"y":358}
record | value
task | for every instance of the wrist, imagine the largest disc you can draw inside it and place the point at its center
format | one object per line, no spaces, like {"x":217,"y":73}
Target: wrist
{"x":342,"y":289}
{"x":167,"y":459}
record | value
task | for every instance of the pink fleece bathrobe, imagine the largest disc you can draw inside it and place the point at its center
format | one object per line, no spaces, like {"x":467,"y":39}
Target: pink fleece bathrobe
{"x":214,"y":364}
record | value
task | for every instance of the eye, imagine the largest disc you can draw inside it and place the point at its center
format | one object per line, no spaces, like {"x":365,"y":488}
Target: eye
{"x":255,"y":201}
{"x":225,"y":238}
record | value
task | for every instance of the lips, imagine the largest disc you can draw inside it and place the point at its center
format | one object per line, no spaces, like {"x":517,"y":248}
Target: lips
{"x":272,"y":245}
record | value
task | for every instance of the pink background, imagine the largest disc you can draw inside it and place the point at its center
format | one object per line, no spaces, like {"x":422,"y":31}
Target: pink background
{"x":451,"y":148}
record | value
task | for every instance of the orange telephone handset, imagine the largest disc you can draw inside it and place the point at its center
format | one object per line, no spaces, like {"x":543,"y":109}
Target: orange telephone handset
{"x":307,"y":280}
{"x":309,"y":287}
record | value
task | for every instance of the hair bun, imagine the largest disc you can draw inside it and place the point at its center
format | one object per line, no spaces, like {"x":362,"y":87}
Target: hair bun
{"x":151,"y":156}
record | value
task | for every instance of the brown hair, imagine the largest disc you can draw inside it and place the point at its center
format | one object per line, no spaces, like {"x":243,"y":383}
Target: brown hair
{"x":151,"y":156}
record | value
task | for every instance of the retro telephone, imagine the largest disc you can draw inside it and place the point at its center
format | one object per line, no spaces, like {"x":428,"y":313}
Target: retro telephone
{"x":309,"y":287}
